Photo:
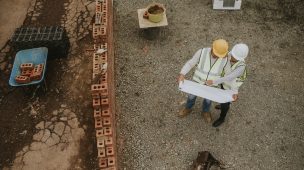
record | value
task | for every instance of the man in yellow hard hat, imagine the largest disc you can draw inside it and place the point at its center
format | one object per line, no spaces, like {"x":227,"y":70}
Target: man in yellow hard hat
{"x":232,"y":80}
{"x":211,"y":62}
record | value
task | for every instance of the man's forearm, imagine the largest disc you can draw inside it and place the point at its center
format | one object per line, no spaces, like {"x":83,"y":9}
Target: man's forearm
{"x":191,"y":63}
{"x":230,"y":76}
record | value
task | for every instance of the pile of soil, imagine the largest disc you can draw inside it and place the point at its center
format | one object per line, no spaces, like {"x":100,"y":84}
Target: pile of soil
{"x":156,"y":9}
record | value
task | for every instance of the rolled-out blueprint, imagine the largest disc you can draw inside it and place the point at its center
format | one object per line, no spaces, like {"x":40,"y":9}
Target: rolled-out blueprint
{"x":211,"y":93}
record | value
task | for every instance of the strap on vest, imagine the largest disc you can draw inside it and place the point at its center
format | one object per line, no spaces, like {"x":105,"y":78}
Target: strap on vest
{"x":203,"y":58}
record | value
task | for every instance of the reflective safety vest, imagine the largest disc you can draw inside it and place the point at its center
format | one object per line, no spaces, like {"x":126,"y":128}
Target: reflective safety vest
{"x":206,"y":71}
{"x":236,"y":84}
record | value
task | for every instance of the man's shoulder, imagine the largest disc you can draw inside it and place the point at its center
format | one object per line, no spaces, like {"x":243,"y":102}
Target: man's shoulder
{"x":206,"y":48}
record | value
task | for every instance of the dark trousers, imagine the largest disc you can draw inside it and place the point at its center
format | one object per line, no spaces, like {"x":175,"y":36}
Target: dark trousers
{"x":224,"y":110}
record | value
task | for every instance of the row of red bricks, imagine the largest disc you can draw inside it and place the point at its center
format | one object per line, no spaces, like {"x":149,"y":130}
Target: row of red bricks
{"x":99,"y":60}
{"x":101,"y":5}
{"x":101,"y":20}
{"x":103,"y":125}
{"x":100,"y":91}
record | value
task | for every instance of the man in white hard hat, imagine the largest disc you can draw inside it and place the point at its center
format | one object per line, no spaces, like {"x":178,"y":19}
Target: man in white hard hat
{"x":211,"y":63}
{"x":234,"y":79}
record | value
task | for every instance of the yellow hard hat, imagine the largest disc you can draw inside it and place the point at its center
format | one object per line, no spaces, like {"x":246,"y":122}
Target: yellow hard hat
{"x":220,"y":48}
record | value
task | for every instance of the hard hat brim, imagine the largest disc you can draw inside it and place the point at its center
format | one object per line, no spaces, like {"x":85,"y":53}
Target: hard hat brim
{"x":236,"y":57}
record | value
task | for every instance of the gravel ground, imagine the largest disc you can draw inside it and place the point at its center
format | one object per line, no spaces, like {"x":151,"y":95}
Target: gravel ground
{"x":263,"y":130}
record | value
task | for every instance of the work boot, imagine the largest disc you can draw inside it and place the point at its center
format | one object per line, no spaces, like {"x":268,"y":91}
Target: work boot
{"x":218,"y":107}
{"x":207,"y":117}
{"x":184,"y":112}
{"x":218,"y":122}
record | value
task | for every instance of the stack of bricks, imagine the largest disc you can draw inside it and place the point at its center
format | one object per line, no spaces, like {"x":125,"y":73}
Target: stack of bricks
{"x":103,"y":115}
{"x":29,"y":73}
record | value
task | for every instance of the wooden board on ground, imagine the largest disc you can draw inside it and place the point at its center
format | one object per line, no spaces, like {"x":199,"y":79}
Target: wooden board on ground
{"x":145,"y":23}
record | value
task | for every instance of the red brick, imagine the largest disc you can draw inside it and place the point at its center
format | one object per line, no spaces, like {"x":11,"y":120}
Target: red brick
{"x":99,"y":133}
{"x":106,"y":121}
{"x":101,"y":89}
{"x":104,"y":102}
{"x":107,"y":131}
{"x":104,"y":58}
{"x":100,"y":46}
{"x":96,"y":57}
{"x":103,"y":163}
{"x":97,"y":112}
{"x":109,"y":151}
{"x":109,"y":141}
{"x":104,"y":46}
{"x":100,"y":143}
{"x":101,"y":152}
{"x":105,"y":6}
{"x":38,"y":68}
{"x":99,"y":31}
{"x":96,"y":30}
{"x":26,"y":73}
{"x":22,"y":79}
{"x":26,"y":66}
{"x":96,"y":67}
{"x":37,"y":72}
{"x":95,"y":88}
{"x":36,"y":76}
{"x":98,"y":6}
{"x":105,"y":112}
{"x":98,"y":122}
{"x":104,"y":89}
{"x":104,"y":17}
{"x":96,"y":103}
{"x":104,"y":78}
{"x":111,"y":161}
{"x":103,"y":31}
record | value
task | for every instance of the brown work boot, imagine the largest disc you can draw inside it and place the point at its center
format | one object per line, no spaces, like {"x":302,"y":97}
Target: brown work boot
{"x":184,"y":112}
{"x":207,"y":117}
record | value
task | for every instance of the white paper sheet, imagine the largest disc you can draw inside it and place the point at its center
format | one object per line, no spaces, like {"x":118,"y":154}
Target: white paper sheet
{"x":211,"y":93}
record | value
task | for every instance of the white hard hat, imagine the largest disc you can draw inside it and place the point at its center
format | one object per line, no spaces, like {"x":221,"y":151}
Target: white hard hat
{"x":240,"y":51}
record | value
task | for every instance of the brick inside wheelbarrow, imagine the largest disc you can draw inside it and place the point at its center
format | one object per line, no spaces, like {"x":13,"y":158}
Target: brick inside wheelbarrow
{"x":35,"y":56}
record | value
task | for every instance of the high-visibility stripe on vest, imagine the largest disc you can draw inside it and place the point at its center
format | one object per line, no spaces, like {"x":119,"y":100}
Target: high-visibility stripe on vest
{"x":205,"y":71}
{"x":237,"y":83}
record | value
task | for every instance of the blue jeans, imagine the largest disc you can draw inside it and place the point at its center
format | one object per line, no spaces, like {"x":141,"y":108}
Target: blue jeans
{"x":191,"y":101}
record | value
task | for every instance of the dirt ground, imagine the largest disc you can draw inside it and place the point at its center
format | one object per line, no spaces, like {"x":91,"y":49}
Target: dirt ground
{"x":53,"y":129}
{"x":263,"y":130}
{"x":17,"y":11}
